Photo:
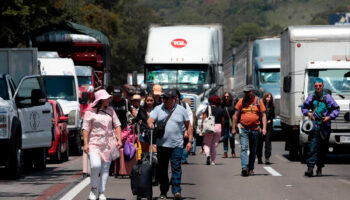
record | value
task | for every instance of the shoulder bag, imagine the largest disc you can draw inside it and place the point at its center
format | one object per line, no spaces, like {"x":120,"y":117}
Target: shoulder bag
{"x":159,"y":130}
{"x":209,"y":123}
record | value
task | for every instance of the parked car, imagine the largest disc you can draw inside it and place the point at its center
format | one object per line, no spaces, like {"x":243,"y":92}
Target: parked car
{"x":59,"y":150}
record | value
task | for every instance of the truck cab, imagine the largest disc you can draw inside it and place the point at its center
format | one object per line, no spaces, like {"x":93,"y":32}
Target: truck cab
{"x":25,"y":124}
{"x":336,"y":76}
{"x":61,"y":84}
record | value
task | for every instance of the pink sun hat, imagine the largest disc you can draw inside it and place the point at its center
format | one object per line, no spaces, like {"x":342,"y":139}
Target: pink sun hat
{"x":99,"y":95}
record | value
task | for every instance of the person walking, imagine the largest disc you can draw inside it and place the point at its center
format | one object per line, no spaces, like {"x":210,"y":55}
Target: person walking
{"x":227,"y":105}
{"x":321,"y":108}
{"x":211,"y":140}
{"x":120,"y":105}
{"x":157,"y":92}
{"x":99,"y":128}
{"x":170,"y":146}
{"x":270,"y":115}
{"x":141,"y":118}
{"x":249,"y":110}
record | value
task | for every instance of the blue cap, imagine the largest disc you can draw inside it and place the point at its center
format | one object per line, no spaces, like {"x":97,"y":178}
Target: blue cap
{"x":318,"y":80}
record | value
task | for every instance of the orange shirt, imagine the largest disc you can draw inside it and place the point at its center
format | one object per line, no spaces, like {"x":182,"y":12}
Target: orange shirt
{"x":250,"y":113}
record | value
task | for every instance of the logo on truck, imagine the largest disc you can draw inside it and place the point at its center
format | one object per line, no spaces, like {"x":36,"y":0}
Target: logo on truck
{"x":179,"y":43}
{"x":34,"y":120}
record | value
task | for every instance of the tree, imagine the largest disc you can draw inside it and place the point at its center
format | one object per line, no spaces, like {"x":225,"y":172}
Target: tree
{"x":244,"y":31}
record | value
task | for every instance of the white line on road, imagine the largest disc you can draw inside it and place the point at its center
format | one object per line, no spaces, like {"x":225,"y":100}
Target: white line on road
{"x":344,"y":181}
{"x":272,"y":171}
{"x":76,"y":190}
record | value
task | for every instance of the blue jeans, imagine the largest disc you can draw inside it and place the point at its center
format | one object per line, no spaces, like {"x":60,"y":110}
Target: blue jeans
{"x":248,"y":137}
{"x":173,"y":155}
{"x":194,"y":145}
{"x":318,"y":147}
{"x":228,"y":136}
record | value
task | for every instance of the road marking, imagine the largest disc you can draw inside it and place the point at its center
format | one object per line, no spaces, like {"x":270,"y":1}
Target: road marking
{"x":344,"y":181}
{"x":272,"y":171}
{"x":76,"y":190}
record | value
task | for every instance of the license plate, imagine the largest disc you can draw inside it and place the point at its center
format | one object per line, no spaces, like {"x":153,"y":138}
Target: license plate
{"x":345,"y":139}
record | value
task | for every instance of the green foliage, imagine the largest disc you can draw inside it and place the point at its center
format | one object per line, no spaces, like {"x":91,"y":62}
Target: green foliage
{"x":245,"y":31}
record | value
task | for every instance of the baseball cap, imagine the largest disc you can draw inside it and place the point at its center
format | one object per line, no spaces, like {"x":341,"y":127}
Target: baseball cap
{"x":248,"y":88}
{"x":157,"y":89}
{"x":136,"y":96}
{"x":117,"y":91}
{"x":169,"y":94}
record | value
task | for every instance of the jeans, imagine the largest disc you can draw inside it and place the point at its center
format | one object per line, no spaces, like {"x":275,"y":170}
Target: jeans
{"x":318,"y":147}
{"x":174,"y":156}
{"x":267,"y":139}
{"x":228,"y":137}
{"x":248,"y":137}
{"x":194,"y":145}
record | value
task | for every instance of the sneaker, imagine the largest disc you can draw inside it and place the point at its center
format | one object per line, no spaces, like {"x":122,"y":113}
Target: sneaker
{"x":212,"y":163}
{"x":260,"y":161}
{"x":208,"y":160}
{"x":234,"y":155}
{"x":251,"y":172}
{"x":319,"y":171}
{"x":225,"y":155}
{"x":177,"y":196}
{"x":267,"y":161}
{"x":162,"y":196}
{"x":309,"y":172}
{"x":245,"y":172}
{"x":102,"y":197}
{"x":93,"y":194}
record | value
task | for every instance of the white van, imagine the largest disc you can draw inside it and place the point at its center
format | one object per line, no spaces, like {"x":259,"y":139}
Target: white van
{"x":61,"y":84}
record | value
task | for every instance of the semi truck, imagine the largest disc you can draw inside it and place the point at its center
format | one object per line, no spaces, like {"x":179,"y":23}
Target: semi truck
{"x":186,"y":57}
{"x":25,"y":113}
{"x":257,"y":62}
{"x":300,"y":46}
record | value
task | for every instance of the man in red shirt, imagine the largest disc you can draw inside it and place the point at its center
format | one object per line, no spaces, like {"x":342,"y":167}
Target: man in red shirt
{"x":250,"y":110}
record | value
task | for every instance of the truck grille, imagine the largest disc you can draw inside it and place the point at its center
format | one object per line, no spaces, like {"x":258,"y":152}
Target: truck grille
{"x":193,"y":101}
{"x":340,"y":122}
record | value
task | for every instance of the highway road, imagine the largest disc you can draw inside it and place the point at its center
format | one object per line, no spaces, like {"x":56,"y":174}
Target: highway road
{"x":282,"y":180}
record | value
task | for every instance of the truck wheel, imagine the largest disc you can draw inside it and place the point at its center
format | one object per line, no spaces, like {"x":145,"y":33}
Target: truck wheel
{"x":77,"y":144}
{"x":65,"y":155}
{"x":16,"y":162}
{"x":40,"y":159}
{"x":58,"y":155}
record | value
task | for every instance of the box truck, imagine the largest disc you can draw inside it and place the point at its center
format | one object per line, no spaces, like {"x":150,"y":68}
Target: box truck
{"x":25,"y":113}
{"x":257,"y":62}
{"x":186,"y":57}
{"x":301,"y":45}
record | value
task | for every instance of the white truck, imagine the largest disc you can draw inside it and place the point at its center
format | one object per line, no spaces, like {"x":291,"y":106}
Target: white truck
{"x":336,"y":76}
{"x":187,"y":57}
{"x":257,"y":62}
{"x":61,"y":84}
{"x":25,"y":113}
{"x":301,"y":45}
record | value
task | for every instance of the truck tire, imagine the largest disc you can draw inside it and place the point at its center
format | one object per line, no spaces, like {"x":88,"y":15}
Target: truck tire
{"x":65,"y":155}
{"x":57,"y":158}
{"x":15,"y":166}
{"x":40,"y":159}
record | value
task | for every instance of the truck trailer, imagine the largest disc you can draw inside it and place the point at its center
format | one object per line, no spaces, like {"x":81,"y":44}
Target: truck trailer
{"x":300,"y":46}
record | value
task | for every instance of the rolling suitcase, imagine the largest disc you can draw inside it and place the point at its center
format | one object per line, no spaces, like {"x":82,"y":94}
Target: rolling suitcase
{"x":141,"y":176}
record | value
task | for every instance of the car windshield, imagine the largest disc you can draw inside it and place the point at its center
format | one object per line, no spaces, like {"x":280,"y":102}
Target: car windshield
{"x":186,"y":80}
{"x":336,"y":80}
{"x":4,"y":93}
{"x":84,"y":80}
{"x":60,"y":87}
{"x":269,"y":76}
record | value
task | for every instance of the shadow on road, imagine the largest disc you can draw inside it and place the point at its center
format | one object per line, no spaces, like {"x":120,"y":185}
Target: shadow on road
{"x":331,"y":158}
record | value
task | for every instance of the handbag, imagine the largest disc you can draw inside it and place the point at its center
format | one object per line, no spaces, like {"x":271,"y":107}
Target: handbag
{"x":159,"y":130}
{"x":129,"y":151}
{"x":209,"y":123}
{"x":128,"y":134}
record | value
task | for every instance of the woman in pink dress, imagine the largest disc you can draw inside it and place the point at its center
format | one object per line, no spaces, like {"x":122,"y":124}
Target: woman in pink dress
{"x":99,"y":128}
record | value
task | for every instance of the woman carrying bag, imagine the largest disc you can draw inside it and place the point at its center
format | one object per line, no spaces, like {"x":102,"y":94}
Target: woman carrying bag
{"x":102,"y":141}
{"x":211,"y":139}
{"x":227,"y":105}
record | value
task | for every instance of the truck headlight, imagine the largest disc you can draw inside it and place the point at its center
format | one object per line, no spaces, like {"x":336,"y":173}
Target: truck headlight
{"x":4,"y":126}
{"x":71,"y":117}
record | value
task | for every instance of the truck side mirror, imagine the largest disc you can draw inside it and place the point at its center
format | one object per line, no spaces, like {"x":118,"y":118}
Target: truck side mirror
{"x":287,"y":84}
{"x":84,"y":98}
{"x":37,"y":97}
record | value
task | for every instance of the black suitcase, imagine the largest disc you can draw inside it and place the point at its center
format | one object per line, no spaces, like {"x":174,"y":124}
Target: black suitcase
{"x":141,"y":176}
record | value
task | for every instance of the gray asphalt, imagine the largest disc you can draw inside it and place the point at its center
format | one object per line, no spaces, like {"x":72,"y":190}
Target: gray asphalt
{"x":224,"y":180}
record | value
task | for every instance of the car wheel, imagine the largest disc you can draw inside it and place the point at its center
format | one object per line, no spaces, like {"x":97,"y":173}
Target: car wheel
{"x":16,"y":162}
{"x":40,"y":160}
{"x":58,"y":155}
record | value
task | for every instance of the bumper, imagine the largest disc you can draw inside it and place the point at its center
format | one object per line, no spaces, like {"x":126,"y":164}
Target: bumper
{"x":337,"y":139}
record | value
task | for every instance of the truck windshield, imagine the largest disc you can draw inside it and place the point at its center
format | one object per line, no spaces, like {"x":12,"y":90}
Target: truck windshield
{"x":4,"y":93}
{"x":185,"y":79}
{"x":84,"y":80}
{"x":336,"y":80}
{"x":269,"y":76}
{"x":60,"y":87}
